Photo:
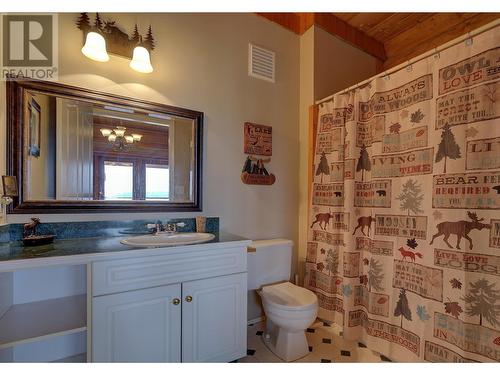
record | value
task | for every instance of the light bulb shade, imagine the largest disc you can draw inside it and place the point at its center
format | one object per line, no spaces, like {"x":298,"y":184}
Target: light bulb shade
{"x":95,"y":47}
{"x":119,"y":131}
{"x":137,"y":137}
{"x":141,"y":61}
{"x":112,"y":137}
{"x":105,"y":132}
{"x":129,"y":139}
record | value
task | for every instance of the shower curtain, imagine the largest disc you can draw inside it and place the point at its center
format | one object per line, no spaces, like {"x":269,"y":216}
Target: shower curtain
{"x":404,"y":231}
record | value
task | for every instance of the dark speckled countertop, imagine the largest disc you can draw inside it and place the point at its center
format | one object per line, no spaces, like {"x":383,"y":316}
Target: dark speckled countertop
{"x":15,"y":250}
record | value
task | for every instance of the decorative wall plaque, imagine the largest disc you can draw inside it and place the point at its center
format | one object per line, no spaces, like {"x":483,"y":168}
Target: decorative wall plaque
{"x":258,"y":140}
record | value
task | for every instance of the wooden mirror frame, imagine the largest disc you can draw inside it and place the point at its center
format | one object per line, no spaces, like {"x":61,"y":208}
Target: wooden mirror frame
{"x":16,"y":89}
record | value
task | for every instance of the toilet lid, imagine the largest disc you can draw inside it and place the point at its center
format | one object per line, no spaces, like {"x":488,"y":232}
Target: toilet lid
{"x":289,"y":295}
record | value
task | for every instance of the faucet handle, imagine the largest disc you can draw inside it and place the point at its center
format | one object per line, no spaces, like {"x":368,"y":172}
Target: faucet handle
{"x":172,"y":227}
{"x":157,"y":227}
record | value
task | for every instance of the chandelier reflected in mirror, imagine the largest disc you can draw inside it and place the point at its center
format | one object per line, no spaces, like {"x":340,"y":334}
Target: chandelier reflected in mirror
{"x":119,"y":140}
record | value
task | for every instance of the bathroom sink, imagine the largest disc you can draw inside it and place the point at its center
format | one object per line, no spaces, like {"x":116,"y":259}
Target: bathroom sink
{"x":167,"y":239}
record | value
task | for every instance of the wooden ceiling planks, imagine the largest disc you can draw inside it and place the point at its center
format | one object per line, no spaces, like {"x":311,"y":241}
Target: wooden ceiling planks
{"x":395,"y":24}
{"x":428,"y":29}
{"x":363,"y":21}
{"x":399,"y":51}
{"x":391,"y":37}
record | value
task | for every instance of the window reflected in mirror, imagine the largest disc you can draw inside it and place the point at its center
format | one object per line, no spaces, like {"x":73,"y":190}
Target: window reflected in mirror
{"x":157,"y":181}
{"x":118,"y":180}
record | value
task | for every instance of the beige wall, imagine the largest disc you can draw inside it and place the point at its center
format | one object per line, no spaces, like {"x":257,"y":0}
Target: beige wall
{"x":338,"y":65}
{"x":201,"y":63}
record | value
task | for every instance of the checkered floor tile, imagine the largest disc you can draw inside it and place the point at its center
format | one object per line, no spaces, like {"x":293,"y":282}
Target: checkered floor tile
{"x":326,"y":345}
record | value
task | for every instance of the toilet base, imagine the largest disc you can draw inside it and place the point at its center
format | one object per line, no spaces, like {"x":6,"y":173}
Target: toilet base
{"x":289,"y":346}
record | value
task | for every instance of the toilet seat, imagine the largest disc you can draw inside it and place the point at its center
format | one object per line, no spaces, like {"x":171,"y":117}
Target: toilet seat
{"x":288,"y":296}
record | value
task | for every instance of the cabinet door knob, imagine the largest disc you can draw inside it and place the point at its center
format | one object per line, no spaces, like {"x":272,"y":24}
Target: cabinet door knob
{"x":176,"y":301}
{"x":189,"y":299}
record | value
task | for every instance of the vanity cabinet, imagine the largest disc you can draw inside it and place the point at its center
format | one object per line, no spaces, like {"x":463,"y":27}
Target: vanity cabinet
{"x":138,"y":326}
{"x":214,"y":319}
{"x":159,"y":309}
{"x":178,"y":304}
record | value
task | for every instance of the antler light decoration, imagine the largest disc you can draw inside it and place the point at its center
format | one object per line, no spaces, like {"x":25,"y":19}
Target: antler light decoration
{"x":102,"y":37}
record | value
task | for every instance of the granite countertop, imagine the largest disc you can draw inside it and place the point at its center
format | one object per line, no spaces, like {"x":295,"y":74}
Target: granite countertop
{"x":15,"y":250}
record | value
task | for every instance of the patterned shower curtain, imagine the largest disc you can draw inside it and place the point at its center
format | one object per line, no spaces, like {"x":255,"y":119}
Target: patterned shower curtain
{"x":404,"y":231}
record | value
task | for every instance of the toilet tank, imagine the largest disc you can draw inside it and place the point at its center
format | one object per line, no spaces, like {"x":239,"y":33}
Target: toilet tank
{"x":269,"y":261}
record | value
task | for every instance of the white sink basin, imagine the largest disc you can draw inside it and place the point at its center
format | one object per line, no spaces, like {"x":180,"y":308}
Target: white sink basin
{"x":164,"y":239}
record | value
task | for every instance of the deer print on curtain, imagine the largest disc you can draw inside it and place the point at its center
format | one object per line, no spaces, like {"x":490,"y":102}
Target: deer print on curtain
{"x":404,"y":232}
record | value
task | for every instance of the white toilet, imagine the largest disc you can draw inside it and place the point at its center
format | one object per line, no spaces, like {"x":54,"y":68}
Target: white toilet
{"x":289,"y":309}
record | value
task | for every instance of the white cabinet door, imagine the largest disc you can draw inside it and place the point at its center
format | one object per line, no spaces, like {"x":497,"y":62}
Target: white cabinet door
{"x":138,"y":326}
{"x":214,"y":319}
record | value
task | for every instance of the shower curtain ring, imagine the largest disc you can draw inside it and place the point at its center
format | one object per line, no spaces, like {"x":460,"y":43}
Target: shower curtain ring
{"x":468,"y":41}
{"x":436,"y":53}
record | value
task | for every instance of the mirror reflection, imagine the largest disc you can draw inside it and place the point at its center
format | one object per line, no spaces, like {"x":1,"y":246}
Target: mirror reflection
{"x":80,"y":150}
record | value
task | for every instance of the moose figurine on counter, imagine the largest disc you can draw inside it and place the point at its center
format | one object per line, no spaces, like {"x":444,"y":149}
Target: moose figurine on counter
{"x":30,"y":237}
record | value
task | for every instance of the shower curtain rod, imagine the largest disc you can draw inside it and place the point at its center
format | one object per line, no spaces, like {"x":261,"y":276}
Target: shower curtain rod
{"x":423,"y":56}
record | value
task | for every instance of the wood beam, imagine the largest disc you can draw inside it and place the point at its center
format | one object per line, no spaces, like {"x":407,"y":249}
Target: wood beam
{"x":290,"y":21}
{"x":299,"y":23}
{"x":337,"y":27}
{"x":363,"y":21}
{"x":306,"y":20}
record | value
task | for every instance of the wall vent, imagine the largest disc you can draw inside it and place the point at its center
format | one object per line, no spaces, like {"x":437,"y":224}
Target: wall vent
{"x":261,"y":63}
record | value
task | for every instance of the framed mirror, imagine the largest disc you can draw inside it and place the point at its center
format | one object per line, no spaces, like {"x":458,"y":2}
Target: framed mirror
{"x":78,"y":150}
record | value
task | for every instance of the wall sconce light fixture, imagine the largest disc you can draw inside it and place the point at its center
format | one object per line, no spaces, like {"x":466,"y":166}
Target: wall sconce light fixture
{"x":141,"y":61}
{"x":104,"y":37}
{"x":95,"y":47}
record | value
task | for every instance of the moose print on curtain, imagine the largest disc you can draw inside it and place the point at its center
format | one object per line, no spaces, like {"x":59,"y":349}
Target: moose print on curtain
{"x":404,"y":233}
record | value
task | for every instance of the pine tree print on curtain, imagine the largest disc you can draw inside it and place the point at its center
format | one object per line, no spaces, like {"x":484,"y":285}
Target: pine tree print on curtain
{"x":447,"y":148}
{"x":483,"y":300}
{"x":323,"y":168}
{"x":402,"y":307}
{"x":411,"y":197}
{"x":364,"y":163}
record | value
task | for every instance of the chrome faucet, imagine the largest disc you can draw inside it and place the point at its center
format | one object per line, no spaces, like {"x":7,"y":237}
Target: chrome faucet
{"x":169,"y":228}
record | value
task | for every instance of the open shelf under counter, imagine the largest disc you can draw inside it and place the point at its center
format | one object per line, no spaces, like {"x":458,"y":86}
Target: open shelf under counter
{"x":29,"y":322}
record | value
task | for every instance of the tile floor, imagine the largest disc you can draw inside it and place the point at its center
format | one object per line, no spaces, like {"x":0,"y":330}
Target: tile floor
{"x":326,"y":345}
